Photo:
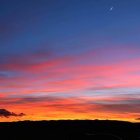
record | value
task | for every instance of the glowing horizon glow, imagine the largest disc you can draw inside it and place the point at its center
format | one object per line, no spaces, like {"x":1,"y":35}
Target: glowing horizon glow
{"x":70,"y":60}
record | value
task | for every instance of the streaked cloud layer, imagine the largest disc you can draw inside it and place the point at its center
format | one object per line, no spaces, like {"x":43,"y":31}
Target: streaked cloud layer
{"x":70,"y":60}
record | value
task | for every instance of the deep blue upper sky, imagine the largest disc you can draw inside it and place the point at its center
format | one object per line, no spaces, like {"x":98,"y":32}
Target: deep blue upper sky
{"x":69,"y":25}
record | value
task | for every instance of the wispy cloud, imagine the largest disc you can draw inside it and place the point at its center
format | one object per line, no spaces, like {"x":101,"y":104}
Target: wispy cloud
{"x":7,"y":114}
{"x":137,"y":118}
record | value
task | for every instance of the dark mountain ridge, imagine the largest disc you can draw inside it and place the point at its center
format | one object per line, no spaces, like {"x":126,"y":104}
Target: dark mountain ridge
{"x":71,"y":130}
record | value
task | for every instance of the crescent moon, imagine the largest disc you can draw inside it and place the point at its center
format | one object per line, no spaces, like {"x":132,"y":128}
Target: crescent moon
{"x":111,"y":8}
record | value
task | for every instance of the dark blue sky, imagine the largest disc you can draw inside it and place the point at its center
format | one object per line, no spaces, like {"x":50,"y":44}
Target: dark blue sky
{"x":67,"y":24}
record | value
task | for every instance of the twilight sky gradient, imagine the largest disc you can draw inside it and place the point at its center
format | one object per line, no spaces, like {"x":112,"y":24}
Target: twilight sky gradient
{"x":70,"y":59}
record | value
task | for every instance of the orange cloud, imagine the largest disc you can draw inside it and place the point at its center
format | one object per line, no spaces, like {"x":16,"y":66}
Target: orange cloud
{"x":70,"y":75}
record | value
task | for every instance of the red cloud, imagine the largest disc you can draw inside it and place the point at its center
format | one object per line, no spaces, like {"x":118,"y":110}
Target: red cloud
{"x":69,"y":75}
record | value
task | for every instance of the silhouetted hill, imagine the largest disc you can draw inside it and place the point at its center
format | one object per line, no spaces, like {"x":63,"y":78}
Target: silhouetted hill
{"x":70,"y":130}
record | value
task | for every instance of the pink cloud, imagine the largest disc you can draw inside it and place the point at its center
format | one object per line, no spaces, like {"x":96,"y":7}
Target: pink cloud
{"x":67,"y":74}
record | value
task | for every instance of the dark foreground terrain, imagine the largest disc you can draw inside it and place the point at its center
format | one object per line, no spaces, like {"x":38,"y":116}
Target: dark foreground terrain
{"x":70,"y":130}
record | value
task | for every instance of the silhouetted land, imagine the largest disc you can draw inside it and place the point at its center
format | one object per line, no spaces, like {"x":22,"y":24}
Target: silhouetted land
{"x":70,"y":130}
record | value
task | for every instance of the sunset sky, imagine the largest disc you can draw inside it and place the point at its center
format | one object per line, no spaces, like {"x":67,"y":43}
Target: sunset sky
{"x":69,"y":59}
